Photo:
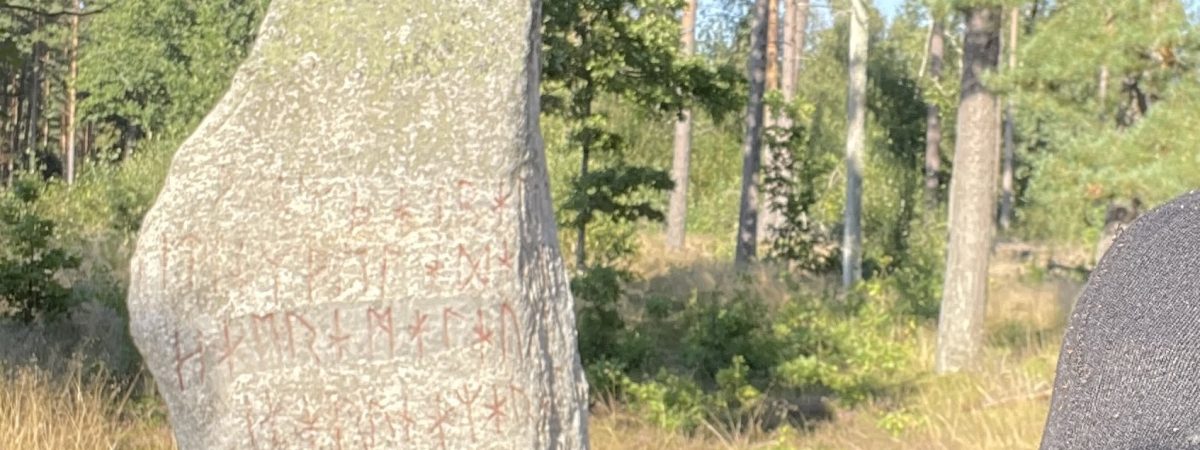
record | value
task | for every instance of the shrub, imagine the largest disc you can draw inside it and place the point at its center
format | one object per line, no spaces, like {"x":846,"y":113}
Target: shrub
{"x":31,"y":260}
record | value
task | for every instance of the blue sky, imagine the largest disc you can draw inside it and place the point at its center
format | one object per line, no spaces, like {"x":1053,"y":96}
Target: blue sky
{"x":888,"y":7}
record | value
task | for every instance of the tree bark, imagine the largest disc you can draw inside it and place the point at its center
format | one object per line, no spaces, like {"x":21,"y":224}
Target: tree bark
{"x":767,"y":213}
{"x":972,"y":198}
{"x":34,"y":86}
{"x":680,"y":164}
{"x":778,"y":160}
{"x":72,"y":75}
{"x":1007,"y":196}
{"x":45,"y":98}
{"x":747,"y":237}
{"x":773,"y":44}
{"x":856,"y":122}
{"x":933,"y":116}
{"x":796,"y":23}
{"x":15,"y":129}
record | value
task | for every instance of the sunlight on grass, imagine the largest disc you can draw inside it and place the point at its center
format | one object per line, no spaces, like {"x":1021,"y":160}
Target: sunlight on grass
{"x":1001,"y":405}
{"x":75,"y":410}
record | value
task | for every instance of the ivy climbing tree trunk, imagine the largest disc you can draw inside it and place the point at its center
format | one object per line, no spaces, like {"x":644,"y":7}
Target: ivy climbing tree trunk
{"x":680,"y":164}
{"x":856,"y":123}
{"x":778,"y":160}
{"x":972,"y":198}
{"x":747,"y":237}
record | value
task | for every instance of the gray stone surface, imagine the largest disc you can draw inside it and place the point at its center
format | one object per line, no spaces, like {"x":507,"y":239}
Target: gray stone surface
{"x":356,"y":247}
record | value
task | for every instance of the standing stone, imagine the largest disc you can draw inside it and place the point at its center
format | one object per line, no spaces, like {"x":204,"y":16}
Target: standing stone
{"x":356,"y":248}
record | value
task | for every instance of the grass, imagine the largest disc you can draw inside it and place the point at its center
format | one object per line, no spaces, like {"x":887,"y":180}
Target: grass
{"x":78,"y":409}
{"x":1001,"y":405}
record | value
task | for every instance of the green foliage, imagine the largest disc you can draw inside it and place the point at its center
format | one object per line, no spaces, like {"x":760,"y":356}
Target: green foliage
{"x":722,"y":356}
{"x":624,"y":52}
{"x":917,"y":283}
{"x":150,"y":67}
{"x":603,"y":335}
{"x":668,"y":401}
{"x":716,"y":330}
{"x":1086,"y":149}
{"x":852,"y":352}
{"x":816,"y":142}
{"x":100,"y":215}
{"x":605,"y":192}
{"x":31,"y":263}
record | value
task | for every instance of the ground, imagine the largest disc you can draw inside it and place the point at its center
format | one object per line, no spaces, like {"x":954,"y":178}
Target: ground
{"x":1002,"y":405}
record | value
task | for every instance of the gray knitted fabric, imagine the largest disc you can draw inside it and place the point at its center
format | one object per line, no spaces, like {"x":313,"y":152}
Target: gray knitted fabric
{"x":1129,"y":372}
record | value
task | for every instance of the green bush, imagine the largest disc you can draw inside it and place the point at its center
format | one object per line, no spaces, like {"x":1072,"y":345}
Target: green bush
{"x":31,"y":261}
{"x":851,"y":350}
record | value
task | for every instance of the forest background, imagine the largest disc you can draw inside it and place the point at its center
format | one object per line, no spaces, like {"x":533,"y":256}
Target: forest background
{"x":756,"y":196}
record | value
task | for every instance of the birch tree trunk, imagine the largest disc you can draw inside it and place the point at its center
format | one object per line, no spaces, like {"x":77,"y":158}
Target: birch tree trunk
{"x":856,"y":123}
{"x":972,"y":198}
{"x":69,"y":117}
{"x":680,"y":164}
{"x":747,"y":237}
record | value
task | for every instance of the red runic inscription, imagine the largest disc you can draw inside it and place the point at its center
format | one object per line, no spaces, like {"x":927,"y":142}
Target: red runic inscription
{"x":182,"y":358}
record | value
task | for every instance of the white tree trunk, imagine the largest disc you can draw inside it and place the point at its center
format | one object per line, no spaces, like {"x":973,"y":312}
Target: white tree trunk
{"x":356,"y":248}
{"x":680,"y":164}
{"x":70,"y":125}
{"x":856,"y":123}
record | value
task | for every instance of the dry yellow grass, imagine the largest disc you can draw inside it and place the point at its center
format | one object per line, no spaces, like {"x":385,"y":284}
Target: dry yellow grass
{"x":40,"y":411}
{"x":1002,"y":405}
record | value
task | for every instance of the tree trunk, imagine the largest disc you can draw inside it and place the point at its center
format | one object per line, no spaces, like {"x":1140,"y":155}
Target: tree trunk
{"x":1007,"y":196}
{"x":73,"y":72}
{"x":33,"y":118}
{"x":680,"y":164}
{"x":767,"y":211}
{"x":933,"y":116}
{"x":796,"y":23}
{"x":972,"y":198}
{"x":773,"y":44}
{"x":45,"y":97}
{"x":747,"y":237}
{"x":409,"y":293}
{"x":581,"y":227}
{"x":15,"y":129}
{"x":778,"y":158}
{"x":1102,"y":88}
{"x":856,"y":124}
